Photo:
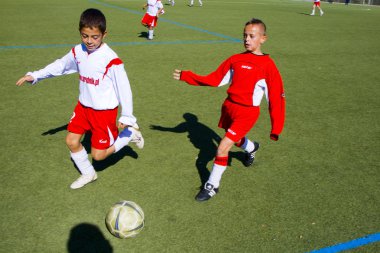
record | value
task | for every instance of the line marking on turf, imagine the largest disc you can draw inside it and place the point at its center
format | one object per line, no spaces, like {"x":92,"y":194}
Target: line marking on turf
{"x":350,"y":244}
{"x":168,"y":21}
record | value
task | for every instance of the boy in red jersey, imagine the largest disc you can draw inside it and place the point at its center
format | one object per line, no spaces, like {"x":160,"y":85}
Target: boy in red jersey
{"x":317,"y":3}
{"x":251,"y":75}
{"x":103,"y":86}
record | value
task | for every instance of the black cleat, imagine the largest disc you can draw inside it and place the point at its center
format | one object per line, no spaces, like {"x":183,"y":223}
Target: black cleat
{"x":250,"y":156}
{"x":207,"y":192}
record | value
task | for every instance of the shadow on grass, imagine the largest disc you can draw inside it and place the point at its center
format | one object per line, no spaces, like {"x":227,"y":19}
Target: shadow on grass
{"x":202,"y":137}
{"x":87,"y":238}
{"x":304,"y":13}
{"x":143,"y":35}
{"x":86,"y":142}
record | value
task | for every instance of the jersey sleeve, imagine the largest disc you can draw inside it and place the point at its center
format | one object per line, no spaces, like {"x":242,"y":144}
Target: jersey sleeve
{"x":123,"y":93}
{"x":276,"y":99}
{"x":221,"y":76}
{"x":63,"y":66}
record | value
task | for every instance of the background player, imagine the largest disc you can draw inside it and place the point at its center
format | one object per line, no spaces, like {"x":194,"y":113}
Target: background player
{"x":103,"y":85}
{"x":317,"y":3}
{"x":252,"y":75}
{"x":154,"y":8}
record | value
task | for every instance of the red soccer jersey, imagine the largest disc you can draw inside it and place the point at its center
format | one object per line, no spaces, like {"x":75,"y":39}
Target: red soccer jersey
{"x":250,"y":77}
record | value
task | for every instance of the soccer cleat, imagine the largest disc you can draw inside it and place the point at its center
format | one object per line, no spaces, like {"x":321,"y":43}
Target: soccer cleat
{"x":322,"y":13}
{"x":250,"y":156}
{"x":137,"y":138}
{"x":83,"y":180}
{"x":207,"y":192}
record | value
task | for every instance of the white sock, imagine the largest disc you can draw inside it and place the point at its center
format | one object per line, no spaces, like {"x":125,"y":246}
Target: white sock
{"x":150,"y":34}
{"x":248,"y":145}
{"x":123,"y":139}
{"x":216,"y":175}
{"x":82,"y":162}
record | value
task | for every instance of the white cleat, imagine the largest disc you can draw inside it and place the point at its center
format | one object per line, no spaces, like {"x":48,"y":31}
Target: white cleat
{"x":137,"y":138}
{"x":83,"y":180}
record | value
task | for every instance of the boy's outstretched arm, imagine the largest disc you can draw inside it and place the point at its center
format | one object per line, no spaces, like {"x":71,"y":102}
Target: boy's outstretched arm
{"x":24,"y":79}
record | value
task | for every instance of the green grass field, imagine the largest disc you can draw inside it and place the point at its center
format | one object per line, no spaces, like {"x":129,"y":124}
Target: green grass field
{"x":317,"y":187}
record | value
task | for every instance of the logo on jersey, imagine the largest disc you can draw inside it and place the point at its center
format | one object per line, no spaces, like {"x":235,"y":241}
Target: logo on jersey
{"x":89,"y":80}
{"x":246,"y":67}
{"x":102,"y":141}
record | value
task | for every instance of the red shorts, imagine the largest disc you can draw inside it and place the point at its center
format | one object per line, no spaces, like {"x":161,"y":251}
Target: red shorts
{"x":149,"y":20}
{"x":317,"y":3}
{"x":101,"y":123}
{"x":237,"y":119}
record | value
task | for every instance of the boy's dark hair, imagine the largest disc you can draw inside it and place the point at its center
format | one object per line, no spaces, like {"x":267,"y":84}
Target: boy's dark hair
{"x":255,"y":21}
{"x":93,"y":18}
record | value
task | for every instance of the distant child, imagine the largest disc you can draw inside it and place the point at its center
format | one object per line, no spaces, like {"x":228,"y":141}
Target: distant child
{"x":251,"y":75}
{"x":171,"y":2}
{"x":192,"y":3}
{"x":154,"y":8}
{"x":103,"y":86}
{"x":317,"y":3}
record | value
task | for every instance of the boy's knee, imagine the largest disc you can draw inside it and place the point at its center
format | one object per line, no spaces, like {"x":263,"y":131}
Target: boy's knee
{"x":72,"y":143}
{"x":98,"y":156}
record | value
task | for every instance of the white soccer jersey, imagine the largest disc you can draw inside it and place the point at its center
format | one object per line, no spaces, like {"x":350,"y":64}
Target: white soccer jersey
{"x":103,"y":82}
{"x":153,"y":7}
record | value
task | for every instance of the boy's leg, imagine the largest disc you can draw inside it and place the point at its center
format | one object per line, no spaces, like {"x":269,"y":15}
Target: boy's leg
{"x":200,"y":2}
{"x":250,"y":149}
{"x":220,"y":165}
{"x":129,"y":134}
{"x":313,"y":11}
{"x":150,"y":33}
{"x":320,"y":10}
{"x":80,"y":157}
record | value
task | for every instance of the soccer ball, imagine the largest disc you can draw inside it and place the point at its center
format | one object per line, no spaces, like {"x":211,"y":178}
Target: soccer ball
{"x":125,"y":219}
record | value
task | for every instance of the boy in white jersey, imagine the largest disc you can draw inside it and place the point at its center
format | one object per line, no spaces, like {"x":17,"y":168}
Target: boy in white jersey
{"x":103,"y":85}
{"x":317,"y":3}
{"x":154,"y":8}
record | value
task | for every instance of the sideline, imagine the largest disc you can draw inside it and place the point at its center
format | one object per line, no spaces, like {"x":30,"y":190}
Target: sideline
{"x":350,"y":244}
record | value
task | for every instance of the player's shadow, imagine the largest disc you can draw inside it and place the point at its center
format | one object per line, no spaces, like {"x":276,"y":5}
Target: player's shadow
{"x":202,"y":137}
{"x":143,"y":35}
{"x":304,"y":13}
{"x":86,"y":142}
{"x":87,"y":238}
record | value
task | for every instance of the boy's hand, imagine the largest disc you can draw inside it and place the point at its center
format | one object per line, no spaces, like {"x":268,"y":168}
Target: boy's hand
{"x":24,"y":79}
{"x":177,"y":74}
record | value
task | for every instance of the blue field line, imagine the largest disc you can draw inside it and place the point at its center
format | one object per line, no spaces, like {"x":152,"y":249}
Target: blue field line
{"x":131,"y":43}
{"x":350,"y":244}
{"x":168,"y":21}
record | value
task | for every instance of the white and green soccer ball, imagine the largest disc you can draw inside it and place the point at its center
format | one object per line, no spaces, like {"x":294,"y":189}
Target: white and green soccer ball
{"x":125,"y":219}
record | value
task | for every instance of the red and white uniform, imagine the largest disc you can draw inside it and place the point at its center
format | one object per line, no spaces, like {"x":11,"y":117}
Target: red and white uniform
{"x":317,"y":2}
{"x":250,"y":77}
{"x":150,"y":17}
{"x":103,"y":83}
